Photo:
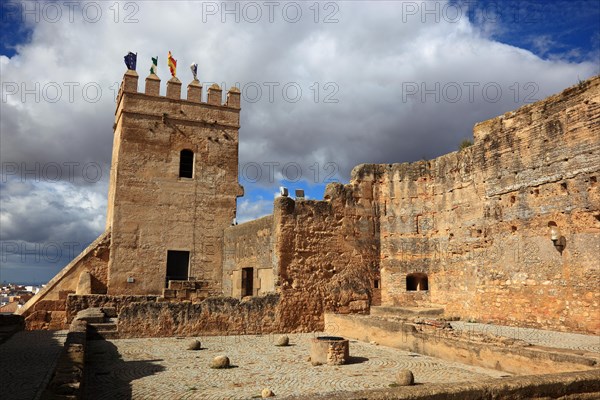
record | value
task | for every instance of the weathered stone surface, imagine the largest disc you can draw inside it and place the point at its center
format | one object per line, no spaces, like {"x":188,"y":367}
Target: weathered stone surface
{"x":84,"y":285}
{"x":211,"y":317}
{"x":477,"y":221}
{"x":405,"y":377}
{"x":220,"y":362}
{"x":329,"y":350}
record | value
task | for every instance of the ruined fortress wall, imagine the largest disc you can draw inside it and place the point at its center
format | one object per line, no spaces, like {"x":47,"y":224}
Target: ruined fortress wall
{"x":476,"y":221}
{"x":151,"y":209}
{"x":327,"y":255}
{"x":249,"y":245}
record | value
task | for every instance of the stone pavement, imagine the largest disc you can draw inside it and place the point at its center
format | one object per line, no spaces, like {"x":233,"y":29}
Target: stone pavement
{"x":27,"y":360}
{"x":162,"y":368}
{"x":538,"y":337}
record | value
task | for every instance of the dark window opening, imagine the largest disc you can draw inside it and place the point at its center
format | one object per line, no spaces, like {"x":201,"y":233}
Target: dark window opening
{"x":417,"y":282}
{"x":186,"y":164}
{"x":247,"y":281}
{"x":376,"y":283}
{"x":178,"y":263}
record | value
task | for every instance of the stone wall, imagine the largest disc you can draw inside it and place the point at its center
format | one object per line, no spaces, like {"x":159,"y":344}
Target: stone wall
{"x":151,"y":209}
{"x":249,"y":245}
{"x":213,"y":316}
{"x":76,"y":303}
{"x":47,"y":309}
{"x":327,"y":254}
{"x":477,"y":221}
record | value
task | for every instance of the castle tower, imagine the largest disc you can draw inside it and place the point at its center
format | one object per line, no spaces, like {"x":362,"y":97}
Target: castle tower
{"x":173,"y":185}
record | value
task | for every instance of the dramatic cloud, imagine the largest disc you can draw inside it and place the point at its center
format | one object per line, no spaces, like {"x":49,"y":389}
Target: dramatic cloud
{"x":356,"y":82}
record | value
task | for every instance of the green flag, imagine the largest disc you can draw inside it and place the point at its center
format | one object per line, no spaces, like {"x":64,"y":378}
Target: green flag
{"x":154,"y":65}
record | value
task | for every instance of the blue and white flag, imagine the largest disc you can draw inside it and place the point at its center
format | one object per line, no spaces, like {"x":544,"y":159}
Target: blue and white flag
{"x":131,"y":61}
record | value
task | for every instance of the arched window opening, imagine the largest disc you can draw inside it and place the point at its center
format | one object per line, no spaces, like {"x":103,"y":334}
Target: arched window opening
{"x":417,"y":282}
{"x":186,"y":164}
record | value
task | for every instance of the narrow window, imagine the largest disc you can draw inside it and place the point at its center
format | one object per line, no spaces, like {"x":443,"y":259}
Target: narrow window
{"x":417,"y":282}
{"x":376,"y":283}
{"x":247,"y":281}
{"x":186,"y":164}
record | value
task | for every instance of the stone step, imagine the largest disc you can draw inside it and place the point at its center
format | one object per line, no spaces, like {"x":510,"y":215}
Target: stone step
{"x":103,"y":326}
{"x":91,"y":315}
{"x":104,"y":335}
{"x":407,"y":312}
{"x":103,"y":330}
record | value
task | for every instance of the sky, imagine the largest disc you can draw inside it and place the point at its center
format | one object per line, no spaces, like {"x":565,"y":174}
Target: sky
{"x":325,"y":86}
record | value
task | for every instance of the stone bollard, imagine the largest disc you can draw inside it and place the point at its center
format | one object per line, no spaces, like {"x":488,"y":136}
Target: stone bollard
{"x":220,"y":362}
{"x":405,"y":377}
{"x":283,"y":341}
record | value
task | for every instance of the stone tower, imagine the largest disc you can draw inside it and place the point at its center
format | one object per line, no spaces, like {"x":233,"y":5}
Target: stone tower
{"x":173,"y":185}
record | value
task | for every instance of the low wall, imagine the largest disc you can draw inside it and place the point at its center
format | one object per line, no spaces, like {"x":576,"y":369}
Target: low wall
{"x":509,"y":356}
{"x":213,"y":316}
{"x":76,"y":303}
{"x":68,"y":376}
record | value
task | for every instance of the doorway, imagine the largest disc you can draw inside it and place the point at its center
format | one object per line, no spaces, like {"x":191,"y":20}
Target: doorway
{"x":178,"y":265}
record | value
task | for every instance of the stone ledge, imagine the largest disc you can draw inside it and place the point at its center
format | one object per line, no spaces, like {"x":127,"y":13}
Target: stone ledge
{"x":578,"y":385}
{"x":68,"y":376}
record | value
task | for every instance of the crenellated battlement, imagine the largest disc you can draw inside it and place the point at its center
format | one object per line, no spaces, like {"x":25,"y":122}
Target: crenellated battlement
{"x":214,"y":95}
{"x":192,"y":108}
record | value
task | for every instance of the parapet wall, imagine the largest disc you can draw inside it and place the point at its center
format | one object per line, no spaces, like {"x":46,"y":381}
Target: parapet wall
{"x":477,"y":221}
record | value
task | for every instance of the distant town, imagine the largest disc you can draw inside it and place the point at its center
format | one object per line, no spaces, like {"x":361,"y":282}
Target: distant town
{"x":13,"y":296}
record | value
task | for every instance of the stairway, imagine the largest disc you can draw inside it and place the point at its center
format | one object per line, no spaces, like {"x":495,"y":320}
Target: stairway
{"x":102,"y":323}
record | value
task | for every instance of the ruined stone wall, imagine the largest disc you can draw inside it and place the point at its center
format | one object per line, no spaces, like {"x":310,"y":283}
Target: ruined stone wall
{"x":76,"y":303}
{"x":213,"y":316}
{"x":47,"y":309}
{"x":477,"y":221}
{"x":249,"y":245}
{"x":327,"y":254}
{"x":153,"y":210}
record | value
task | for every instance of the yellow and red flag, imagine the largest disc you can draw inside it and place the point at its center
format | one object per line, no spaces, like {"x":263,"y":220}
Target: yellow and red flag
{"x":172,"y":65}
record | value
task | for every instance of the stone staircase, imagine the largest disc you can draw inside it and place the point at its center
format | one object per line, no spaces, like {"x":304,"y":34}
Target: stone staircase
{"x":388,"y":312}
{"x":102,"y":322}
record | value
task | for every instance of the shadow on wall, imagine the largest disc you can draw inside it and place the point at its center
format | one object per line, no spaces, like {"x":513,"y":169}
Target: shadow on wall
{"x":108,"y":376}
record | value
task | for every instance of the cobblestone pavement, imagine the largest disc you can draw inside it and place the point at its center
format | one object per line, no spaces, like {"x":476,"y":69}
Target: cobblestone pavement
{"x":561,"y":340}
{"x":27,"y":360}
{"x":162,"y":368}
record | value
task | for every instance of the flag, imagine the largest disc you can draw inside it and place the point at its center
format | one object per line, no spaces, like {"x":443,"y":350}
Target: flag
{"x":172,"y":65}
{"x":194,"y":68}
{"x":131,"y":61}
{"x":154,"y":65}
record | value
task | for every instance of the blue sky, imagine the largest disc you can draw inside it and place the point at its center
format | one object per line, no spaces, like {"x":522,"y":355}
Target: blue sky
{"x":365,"y":56}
